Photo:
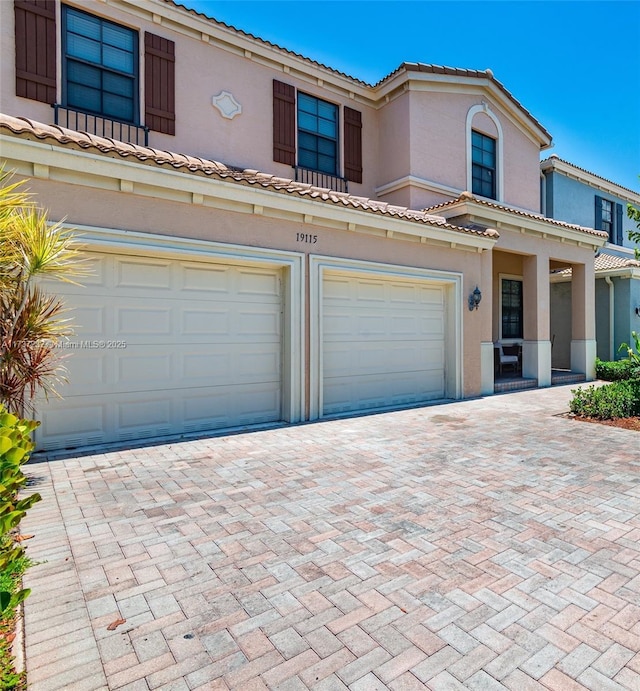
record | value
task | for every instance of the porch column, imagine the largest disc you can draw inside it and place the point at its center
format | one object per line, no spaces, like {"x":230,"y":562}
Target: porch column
{"x":487,"y":370}
{"x":536,"y":347}
{"x":583,"y":319}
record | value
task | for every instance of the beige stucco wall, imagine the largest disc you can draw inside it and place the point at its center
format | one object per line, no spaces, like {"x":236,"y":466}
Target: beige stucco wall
{"x":95,"y":207}
{"x":203,"y":70}
{"x":438,"y":128}
{"x":394,"y":145}
{"x":422,"y":132}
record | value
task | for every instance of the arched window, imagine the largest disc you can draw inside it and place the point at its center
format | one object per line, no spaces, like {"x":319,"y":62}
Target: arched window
{"x":484,"y":153}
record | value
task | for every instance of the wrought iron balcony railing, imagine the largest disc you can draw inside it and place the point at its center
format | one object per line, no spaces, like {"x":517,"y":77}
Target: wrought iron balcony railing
{"x":318,"y":179}
{"x":99,"y":125}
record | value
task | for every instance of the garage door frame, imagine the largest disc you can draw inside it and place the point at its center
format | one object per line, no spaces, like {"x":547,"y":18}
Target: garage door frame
{"x":291,"y":265}
{"x":450,"y":281}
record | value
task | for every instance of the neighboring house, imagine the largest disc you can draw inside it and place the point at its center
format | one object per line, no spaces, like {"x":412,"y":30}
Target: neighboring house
{"x":572,"y":194}
{"x":273,"y":240}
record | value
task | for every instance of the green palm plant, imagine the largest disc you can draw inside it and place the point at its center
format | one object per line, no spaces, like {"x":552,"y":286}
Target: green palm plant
{"x":32,"y":323}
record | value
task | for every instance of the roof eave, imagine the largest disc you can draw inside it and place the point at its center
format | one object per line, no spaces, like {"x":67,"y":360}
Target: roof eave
{"x":409,"y":73}
{"x":35,"y":158}
{"x":557,"y":164}
{"x":503,"y":218}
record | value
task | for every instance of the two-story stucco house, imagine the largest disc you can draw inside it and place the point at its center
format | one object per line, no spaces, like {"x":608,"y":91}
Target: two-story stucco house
{"x":273,"y":240}
{"x":575,"y":195}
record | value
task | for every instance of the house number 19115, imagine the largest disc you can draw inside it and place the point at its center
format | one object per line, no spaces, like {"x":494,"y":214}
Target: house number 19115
{"x":305,"y":237}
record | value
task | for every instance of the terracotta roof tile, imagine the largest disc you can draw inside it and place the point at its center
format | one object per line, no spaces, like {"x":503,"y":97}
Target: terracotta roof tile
{"x":25,"y":128}
{"x":606,"y":262}
{"x":415,"y":66}
{"x":467,"y":196}
{"x":461,"y":72}
{"x":263,"y":41}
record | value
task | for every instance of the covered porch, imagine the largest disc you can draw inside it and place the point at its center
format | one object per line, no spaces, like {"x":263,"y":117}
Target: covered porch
{"x":516,"y":296}
{"x":525,"y":321}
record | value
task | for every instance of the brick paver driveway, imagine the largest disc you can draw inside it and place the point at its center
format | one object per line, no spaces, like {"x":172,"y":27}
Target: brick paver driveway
{"x":483,"y":544}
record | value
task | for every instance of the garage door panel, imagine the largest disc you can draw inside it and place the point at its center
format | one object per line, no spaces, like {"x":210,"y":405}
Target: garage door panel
{"x":256,"y":364}
{"x":336,"y":290}
{"x":89,"y":320}
{"x":370,"y":292}
{"x":187,"y":346}
{"x":366,"y":358}
{"x":96,"y":273}
{"x":214,"y":365}
{"x":145,"y":370}
{"x":204,"y":366}
{"x":142,"y":319}
{"x":88,"y":371}
{"x":258,"y":283}
{"x":205,"y":322}
{"x":143,"y":274}
{"x":264,"y":324}
{"x":403,"y":295}
{"x":198,"y":278}
{"x":366,"y":392}
{"x":337,"y":326}
{"x":258,"y":403}
{"x":383,"y":342}
{"x":143,"y":412}
{"x":68,"y":422}
{"x":230,"y":406}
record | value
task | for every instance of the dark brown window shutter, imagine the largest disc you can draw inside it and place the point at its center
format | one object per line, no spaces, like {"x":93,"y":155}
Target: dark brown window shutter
{"x":159,"y":84}
{"x":36,"y":49}
{"x":284,"y":123}
{"x":353,"y":145}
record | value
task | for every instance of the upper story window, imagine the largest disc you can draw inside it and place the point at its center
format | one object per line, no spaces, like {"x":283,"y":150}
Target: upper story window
{"x":307,"y":136}
{"x":317,"y":134}
{"x":100,"y":81}
{"x":609,"y":219}
{"x":100,"y":66}
{"x":483,"y":165}
{"x":607,"y":216}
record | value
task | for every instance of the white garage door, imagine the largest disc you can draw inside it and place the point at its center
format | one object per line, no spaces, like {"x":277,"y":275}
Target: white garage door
{"x":166,"y":347}
{"x":383,"y":342}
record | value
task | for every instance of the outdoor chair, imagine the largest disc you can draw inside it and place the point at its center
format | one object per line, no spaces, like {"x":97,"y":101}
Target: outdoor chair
{"x":505,"y":360}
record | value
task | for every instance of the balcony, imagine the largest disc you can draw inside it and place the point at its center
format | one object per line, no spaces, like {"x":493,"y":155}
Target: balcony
{"x":102,"y":127}
{"x":318,"y":179}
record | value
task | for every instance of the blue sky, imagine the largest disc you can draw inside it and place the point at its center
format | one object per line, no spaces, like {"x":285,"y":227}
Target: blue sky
{"x":574,"y":65}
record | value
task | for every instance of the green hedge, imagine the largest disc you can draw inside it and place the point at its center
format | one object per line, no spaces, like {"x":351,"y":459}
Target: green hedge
{"x":15,"y":447}
{"x":616,"y":370}
{"x":610,"y":401}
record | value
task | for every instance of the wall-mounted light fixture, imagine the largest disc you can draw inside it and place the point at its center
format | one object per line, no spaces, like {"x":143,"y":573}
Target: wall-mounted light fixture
{"x":474,"y":299}
{"x":638,"y":311}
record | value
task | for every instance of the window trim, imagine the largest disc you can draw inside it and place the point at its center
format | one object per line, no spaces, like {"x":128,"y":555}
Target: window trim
{"x":499,"y":138}
{"x":135,"y":76}
{"x":511,"y":340}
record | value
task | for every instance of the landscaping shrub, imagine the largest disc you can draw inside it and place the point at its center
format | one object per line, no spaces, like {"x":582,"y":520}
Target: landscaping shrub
{"x":613,"y":370}
{"x":15,"y":447}
{"x":633,"y":356}
{"x":32,"y":325}
{"x":610,"y":401}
